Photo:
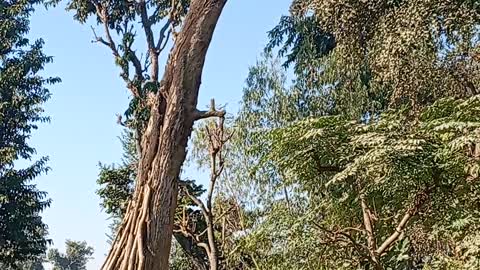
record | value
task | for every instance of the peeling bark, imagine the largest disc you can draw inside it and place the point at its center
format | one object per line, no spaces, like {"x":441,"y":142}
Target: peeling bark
{"x":144,"y":238}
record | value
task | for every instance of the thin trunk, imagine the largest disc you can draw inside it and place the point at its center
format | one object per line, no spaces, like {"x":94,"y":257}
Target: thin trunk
{"x":213,"y":255}
{"x":367,"y":222}
{"x":144,"y":239}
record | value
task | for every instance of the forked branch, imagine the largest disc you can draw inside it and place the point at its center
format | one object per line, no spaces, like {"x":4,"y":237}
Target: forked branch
{"x":420,"y":199}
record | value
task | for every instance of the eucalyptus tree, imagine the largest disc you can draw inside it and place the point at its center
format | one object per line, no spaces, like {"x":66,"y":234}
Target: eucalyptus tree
{"x":23,"y":235}
{"x":200,"y":229}
{"x":165,"y":110}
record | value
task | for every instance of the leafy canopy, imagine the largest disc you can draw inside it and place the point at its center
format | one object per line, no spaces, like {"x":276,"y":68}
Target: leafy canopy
{"x":75,"y":258}
{"x":22,"y":93}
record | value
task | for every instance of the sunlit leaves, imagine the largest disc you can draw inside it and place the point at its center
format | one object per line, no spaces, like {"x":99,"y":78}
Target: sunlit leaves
{"x":22,"y":93}
{"x":389,"y":159}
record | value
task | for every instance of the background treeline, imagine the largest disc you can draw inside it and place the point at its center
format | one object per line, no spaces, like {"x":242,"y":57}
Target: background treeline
{"x":356,"y":146}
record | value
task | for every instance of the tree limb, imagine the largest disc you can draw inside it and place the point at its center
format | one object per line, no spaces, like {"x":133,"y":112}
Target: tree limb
{"x":368,"y":224}
{"x":162,"y":38}
{"x":212,"y":112}
{"x":420,"y":200}
{"x":198,"y":202}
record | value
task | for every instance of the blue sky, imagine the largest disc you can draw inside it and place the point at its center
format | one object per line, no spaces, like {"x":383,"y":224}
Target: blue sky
{"x":83,"y":130}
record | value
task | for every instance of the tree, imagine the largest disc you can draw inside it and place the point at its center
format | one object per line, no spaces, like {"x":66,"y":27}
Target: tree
{"x":391,"y":52}
{"x":374,"y":187}
{"x":116,"y":189}
{"x":22,"y":93}
{"x":196,"y":226}
{"x":76,"y":256}
{"x":167,"y":106}
{"x":354,"y":60}
{"x":216,"y":139}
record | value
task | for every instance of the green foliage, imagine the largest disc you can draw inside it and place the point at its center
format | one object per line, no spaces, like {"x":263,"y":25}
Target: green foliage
{"x":367,"y":79}
{"x":386,"y":52}
{"x":22,"y":92}
{"x":117,"y":188}
{"x":119,"y":20}
{"x":302,"y":42}
{"x":390,"y":160}
{"x":75,"y":258}
{"x":36,"y":264}
{"x":179,"y":260}
{"x":117,"y":182}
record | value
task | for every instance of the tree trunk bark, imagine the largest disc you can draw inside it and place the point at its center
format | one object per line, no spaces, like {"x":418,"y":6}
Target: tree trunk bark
{"x":213,"y":255}
{"x":144,"y":239}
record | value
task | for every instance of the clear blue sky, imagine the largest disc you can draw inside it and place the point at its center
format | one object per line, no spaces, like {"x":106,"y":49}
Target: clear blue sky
{"x":83,"y":129}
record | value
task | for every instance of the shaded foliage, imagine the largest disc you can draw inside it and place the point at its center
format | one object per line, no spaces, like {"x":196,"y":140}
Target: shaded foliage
{"x":22,"y":93}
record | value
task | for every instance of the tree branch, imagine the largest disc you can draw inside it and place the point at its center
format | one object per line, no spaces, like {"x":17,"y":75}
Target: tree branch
{"x":102,"y":41}
{"x":213,"y":112}
{"x":162,"y":38}
{"x":224,"y":213}
{"x":198,"y":202}
{"x":165,"y":42}
{"x":102,"y":14}
{"x":146,"y":23}
{"x":368,"y":224}
{"x":419,"y":201}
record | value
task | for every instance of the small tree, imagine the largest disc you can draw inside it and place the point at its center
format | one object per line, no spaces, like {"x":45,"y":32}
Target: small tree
{"x":76,"y":256}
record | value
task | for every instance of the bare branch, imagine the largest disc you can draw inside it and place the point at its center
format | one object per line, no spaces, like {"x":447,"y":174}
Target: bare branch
{"x":146,"y":23}
{"x":213,"y":112}
{"x":341,"y":236}
{"x":102,"y":13}
{"x":198,"y":202}
{"x":147,"y":27}
{"x":394,"y":236}
{"x":162,"y":38}
{"x":109,"y":42}
{"x":368,"y":223}
{"x":224,"y":213}
{"x":165,"y":42}
{"x":204,"y":246}
{"x":100,"y":39}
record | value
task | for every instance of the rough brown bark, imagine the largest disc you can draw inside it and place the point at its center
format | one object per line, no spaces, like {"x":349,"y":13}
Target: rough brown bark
{"x":144,"y":239}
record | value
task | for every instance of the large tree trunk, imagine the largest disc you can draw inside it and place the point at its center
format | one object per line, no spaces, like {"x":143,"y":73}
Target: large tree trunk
{"x":144,"y":239}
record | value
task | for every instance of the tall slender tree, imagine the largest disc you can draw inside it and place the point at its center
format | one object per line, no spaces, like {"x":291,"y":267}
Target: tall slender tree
{"x":22,"y":93}
{"x":167,"y":107}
